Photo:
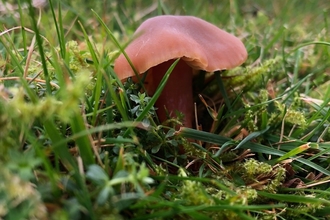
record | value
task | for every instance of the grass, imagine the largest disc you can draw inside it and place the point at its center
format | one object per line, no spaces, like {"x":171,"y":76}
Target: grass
{"x":77,"y":143}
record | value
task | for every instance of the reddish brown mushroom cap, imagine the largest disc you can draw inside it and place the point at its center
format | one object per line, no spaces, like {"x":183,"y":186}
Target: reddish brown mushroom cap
{"x":201,"y":44}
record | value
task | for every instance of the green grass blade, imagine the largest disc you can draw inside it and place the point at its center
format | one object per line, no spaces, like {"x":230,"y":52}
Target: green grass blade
{"x":60,"y":150}
{"x":83,"y":142}
{"x":293,"y":152}
{"x":90,"y":46}
{"x":122,"y":108}
{"x":97,"y":93}
{"x":294,"y":198}
{"x":17,"y":63}
{"x":70,"y":164}
{"x":121,"y":49}
{"x":98,"y":87}
{"x":59,"y":27}
{"x":158,"y":91}
{"x":32,"y":95}
{"x":274,"y":39}
{"x":101,"y":128}
{"x":223,"y":90}
{"x":254,"y":147}
{"x":250,"y":137}
{"x":40,"y":47}
{"x":46,"y":163}
{"x":324,"y":43}
{"x":22,"y":26}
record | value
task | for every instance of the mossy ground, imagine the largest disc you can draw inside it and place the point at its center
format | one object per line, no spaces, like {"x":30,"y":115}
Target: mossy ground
{"x":77,"y":143}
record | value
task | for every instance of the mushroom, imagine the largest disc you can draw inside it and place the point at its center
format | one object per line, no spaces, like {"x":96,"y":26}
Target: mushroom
{"x":200,"y":45}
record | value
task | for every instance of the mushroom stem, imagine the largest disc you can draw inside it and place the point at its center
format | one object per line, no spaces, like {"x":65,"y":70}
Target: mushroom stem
{"x":177,"y":94}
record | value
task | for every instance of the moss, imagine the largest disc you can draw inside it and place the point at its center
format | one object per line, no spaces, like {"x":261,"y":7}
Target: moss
{"x":290,"y":115}
{"x":262,"y":175}
{"x":19,"y":199}
{"x":192,"y":192}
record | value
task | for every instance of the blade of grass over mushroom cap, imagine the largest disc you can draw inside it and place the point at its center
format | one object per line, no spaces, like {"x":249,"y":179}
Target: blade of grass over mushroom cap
{"x":176,"y":94}
{"x":161,"y":40}
{"x":158,"y":91}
